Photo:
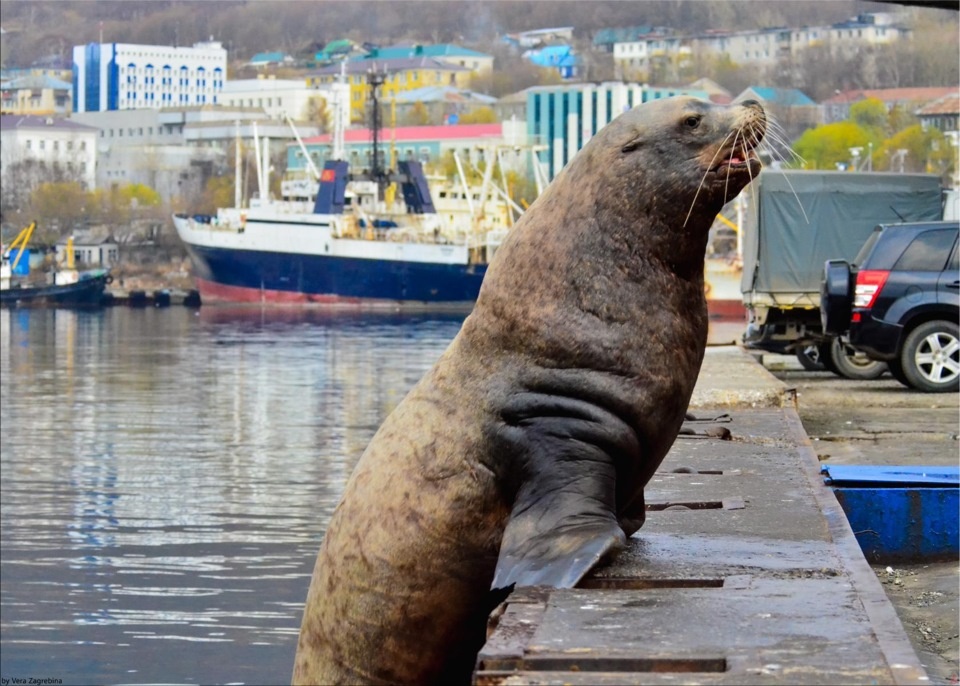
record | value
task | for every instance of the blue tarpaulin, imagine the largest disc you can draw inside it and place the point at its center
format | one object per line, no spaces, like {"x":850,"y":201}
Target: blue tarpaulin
{"x":23,"y":267}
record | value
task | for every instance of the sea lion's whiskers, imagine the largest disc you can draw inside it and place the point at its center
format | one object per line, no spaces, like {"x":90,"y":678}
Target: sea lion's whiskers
{"x":726,"y":182}
{"x":776,"y":141}
{"x":693,"y":202}
{"x":797,"y":196}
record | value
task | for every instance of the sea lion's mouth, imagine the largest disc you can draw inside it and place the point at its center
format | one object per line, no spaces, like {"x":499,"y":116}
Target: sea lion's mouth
{"x":738,"y":160}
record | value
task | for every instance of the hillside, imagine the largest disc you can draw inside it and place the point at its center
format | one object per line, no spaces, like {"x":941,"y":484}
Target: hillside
{"x":37,"y":28}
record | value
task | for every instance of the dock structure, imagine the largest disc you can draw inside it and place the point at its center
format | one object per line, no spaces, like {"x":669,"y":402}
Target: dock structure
{"x":746,"y":571}
{"x":150,"y":298}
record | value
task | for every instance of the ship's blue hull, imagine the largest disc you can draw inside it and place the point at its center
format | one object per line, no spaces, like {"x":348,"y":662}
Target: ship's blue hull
{"x":258,"y":276}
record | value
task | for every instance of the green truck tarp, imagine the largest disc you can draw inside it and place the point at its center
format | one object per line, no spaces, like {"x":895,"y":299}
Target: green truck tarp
{"x":808,"y":217}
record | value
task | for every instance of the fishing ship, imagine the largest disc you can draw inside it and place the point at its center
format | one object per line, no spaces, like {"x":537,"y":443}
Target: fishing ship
{"x":371,"y":238}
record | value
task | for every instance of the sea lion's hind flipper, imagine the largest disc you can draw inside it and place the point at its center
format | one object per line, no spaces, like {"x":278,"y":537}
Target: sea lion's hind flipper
{"x":557,"y":558}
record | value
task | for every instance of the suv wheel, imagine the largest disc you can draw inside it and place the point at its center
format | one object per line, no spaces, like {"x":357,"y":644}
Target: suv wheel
{"x":931,"y":357}
{"x":853,"y":364}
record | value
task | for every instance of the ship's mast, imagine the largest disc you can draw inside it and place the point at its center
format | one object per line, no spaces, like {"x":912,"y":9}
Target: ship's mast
{"x":341,"y":113}
{"x":377,"y":172}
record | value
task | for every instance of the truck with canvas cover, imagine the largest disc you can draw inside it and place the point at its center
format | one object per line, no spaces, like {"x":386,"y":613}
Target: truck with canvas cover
{"x":797,"y":221}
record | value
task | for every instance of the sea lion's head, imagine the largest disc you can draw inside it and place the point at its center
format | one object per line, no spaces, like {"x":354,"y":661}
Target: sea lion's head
{"x":679,"y":157}
{"x":634,"y":205}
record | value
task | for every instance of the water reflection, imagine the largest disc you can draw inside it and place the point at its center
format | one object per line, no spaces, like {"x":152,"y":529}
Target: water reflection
{"x":166,"y":476}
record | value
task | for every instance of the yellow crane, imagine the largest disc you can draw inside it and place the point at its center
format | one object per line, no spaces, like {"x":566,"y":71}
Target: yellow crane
{"x":20,"y":242}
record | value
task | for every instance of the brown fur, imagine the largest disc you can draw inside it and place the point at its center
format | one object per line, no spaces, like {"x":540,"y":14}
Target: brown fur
{"x":584,"y":346}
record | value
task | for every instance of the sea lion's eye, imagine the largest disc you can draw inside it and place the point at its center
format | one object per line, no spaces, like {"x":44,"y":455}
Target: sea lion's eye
{"x":692,"y":122}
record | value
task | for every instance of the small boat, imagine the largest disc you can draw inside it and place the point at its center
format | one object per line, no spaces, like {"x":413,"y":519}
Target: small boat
{"x":65,"y":286}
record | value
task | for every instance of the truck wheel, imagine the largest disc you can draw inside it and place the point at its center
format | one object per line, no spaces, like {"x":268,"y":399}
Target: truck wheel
{"x":809,"y":357}
{"x":931,"y":357}
{"x":853,"y":364}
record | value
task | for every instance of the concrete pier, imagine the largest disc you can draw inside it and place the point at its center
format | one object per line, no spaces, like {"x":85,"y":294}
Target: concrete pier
{"x":746,"y":571}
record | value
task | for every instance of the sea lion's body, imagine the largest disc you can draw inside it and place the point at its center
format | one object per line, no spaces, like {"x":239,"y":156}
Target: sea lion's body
{"x":521,"y":457}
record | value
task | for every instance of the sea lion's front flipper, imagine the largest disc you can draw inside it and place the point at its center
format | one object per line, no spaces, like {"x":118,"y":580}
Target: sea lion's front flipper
{"x":564,"y":518}
{"x":558,"y":558}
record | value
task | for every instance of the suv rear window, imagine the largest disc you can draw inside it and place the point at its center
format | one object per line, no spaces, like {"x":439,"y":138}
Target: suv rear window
{"x":867,"y":247}
{"x":928,"y":252}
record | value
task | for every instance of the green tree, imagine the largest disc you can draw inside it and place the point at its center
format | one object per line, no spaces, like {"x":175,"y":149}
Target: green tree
{"x":57,"y":207}
{"x":900,"y":118}
{"x":827,"y":146}
{"x":136,"y":195}
{"x":870,"y":113}
{"x":916,"y":150}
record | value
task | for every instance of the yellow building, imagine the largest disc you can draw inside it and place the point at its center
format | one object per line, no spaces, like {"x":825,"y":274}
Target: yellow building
{"x":402,"y":74}
{"x":37,"y":95}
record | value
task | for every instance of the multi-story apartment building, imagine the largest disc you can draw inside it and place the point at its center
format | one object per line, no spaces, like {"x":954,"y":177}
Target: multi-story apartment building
{"x":864,"y":30}
{"x":640,"y":58}
{"x":123,"y":76}
{"x":476,"y":62}
{"x":35,"y":150}
{"x":637,"y":58}
{"x":565,"y":117}
{"x":401,"y":74}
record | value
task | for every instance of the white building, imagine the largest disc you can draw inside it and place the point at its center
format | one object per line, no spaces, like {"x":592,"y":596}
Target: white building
{"x":636,"y":59}
{"x":761,"y":47}
{"x":864,"y":30}
{"x":37,"y":149}
{"x":279,"y":98}
{"x":122,"y":76}
{"x":174,"y":151}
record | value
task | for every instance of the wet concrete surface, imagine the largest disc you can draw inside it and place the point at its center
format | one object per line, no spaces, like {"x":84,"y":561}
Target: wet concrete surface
{"x":881,"y":422}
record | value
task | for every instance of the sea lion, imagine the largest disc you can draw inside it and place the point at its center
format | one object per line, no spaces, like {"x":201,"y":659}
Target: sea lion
{"x":520,"y":458}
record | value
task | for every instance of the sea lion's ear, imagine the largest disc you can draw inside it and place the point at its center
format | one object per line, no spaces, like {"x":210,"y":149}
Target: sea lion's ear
{"x":632,"y":145}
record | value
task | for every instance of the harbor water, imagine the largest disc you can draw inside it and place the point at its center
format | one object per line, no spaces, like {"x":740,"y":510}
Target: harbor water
{"x":167,"y":475}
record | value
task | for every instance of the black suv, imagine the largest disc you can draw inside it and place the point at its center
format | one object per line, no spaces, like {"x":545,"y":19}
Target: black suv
{"x":900,"y":302}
